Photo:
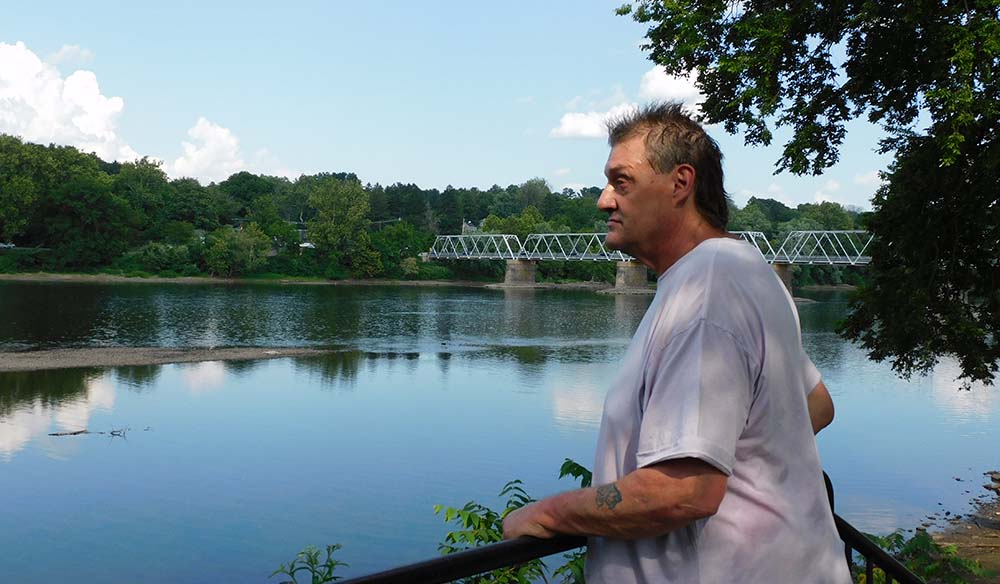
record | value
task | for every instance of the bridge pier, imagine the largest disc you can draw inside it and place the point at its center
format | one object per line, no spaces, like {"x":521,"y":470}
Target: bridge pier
{"x":520,"y":273}
{"x":630,"y":275}
{"x":784,"y":272}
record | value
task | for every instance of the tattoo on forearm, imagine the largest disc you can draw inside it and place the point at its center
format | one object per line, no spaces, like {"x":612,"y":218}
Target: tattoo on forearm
{"x":608,"y":496}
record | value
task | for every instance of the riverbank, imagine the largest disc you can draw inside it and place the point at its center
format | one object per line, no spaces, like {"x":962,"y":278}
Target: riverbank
{"x":976,"y":535}
{"x":203,"y":280}
{"x":133,"y":356}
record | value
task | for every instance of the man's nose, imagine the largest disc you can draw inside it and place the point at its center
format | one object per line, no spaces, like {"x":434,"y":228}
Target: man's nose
{"x":606,"y":202}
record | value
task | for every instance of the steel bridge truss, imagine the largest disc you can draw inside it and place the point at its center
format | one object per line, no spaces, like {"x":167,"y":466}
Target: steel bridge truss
{"x":570,"y":247}
{"x":476,"y":247}
{"x":799,"y":247}
{"x":825,"y":247}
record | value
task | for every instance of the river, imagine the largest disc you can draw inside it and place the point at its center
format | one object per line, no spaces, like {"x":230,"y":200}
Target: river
{"x":434,"y":395}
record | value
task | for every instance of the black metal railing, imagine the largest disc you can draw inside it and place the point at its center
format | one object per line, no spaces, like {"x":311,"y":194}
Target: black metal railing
{"x":475,"y":561}
{"x":859,"y":549}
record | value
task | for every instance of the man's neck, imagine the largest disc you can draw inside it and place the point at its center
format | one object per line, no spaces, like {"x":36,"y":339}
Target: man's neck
{"x":679,"y":241}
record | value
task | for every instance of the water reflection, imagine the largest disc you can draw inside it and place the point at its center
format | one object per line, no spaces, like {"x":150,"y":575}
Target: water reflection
{"x":138,"y":377}
{"x":578,"y":401}
{"x":975,"y":403}
{"x":47,"y":388}
{"x":33,"y":403}
{"x":204,"y":376}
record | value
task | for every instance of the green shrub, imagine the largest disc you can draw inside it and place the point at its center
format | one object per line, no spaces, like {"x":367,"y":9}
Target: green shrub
{"x":335,"y":271}
{"x":155,"y":257}
{"x":428,"y":271}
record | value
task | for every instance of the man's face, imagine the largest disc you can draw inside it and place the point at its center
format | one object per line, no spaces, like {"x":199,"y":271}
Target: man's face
{"x":636,"y":198}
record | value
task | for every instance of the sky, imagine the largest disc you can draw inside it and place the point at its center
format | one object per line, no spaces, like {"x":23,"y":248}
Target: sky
{"x":434,"y":93}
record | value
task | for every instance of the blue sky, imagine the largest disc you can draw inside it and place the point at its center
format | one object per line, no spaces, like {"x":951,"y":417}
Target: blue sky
{"x":435,"y":93}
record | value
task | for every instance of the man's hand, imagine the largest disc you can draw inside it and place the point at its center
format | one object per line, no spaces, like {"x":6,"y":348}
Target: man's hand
{"x":525,"y":521}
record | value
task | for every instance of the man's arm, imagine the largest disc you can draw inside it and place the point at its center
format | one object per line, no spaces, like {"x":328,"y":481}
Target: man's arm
{"x":647,"y":502}
{"x":820,"y":407}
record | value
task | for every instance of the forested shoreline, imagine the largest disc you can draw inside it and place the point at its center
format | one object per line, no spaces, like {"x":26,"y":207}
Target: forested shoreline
{"x":70,"y":211}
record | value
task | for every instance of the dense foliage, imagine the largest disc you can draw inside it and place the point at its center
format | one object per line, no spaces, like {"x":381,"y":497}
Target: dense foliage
{"x":927,"y":72}
{"x":70,"y":211}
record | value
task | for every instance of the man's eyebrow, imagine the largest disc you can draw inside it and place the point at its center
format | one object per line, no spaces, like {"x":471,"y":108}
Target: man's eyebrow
{"x":618,"y":169}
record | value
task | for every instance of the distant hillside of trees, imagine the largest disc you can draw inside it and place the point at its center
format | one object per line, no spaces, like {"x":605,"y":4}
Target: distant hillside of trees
{"x":71,"y":211}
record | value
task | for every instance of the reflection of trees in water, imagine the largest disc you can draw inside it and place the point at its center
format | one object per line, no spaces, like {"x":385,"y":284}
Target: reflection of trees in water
{"x":819,"y":322}
{"x":242,"y":368}
{"x":51,"y":387}
{"x":332,"y":368}
{"x":137,"y":377}
{"x":329,"y":314}
{"x":26,"y":309}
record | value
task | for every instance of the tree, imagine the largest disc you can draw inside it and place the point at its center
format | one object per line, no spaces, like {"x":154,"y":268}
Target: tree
{"x":19,"y":164}
{"x":399,"y":241}
{"x":449,"y":212}
{"x":144,"y":185}
{"x":750,"y":218}
{"x":232,"y":252}
{"x":86,"y":223}
{"x":340,"y":228}
{"x":192,"y":203}
{"x":243,"y":187}
{"x":927,"y":73}
{"x":829,"y":215}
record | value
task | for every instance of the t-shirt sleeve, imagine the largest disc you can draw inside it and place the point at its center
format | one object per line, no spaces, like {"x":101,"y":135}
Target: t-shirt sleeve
{"x":811,"y":374}
{"x":698,"y":388}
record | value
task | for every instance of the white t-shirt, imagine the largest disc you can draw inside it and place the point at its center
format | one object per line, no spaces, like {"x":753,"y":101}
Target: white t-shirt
{"x":716,"y":372}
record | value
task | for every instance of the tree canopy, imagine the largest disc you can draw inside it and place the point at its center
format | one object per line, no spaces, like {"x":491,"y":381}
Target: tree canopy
{"x":927,"y":73}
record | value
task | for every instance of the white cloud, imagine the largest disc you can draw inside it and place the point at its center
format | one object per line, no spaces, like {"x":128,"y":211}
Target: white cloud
{"x":69,"y":54}
{"x":37,"y":104}
{"x":657,"y":85}
{"x":212,"y":154}
{"x":590,"y":124}
{"x":775,"y":189}
{"x":868,"y":179}
{"x":825,"y":192}
{"x":575,"y":186}
{"x":562,"y":172}
{"x":264,"y":162}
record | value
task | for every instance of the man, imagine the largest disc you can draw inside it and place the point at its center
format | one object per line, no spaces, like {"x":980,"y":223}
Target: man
{"x":706,"y":466}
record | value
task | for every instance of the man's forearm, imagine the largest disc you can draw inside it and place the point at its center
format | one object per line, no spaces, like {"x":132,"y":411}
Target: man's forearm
{"x":644,"y":503}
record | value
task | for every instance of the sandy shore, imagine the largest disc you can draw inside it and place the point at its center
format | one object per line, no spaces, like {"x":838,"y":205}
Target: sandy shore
{"x":128,"y":356}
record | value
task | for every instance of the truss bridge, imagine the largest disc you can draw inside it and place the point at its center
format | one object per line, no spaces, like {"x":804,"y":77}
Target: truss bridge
{"x":798,"y":247}
{"x":846,"y":248}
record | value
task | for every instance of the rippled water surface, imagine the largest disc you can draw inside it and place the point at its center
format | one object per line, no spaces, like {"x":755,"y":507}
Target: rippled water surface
{"x":435,"y":395}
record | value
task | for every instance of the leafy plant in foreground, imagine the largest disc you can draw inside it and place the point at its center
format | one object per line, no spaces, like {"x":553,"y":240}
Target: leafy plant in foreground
{"x":480,"y":525}
{"x":308,"y":560}
{"x":934,"y":563}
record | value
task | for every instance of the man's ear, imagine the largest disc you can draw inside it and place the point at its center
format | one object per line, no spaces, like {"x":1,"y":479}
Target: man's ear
{"x":683,"y":182}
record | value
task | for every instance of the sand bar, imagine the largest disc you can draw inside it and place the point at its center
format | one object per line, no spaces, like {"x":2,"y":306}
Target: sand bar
{"x":128,"y":356}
